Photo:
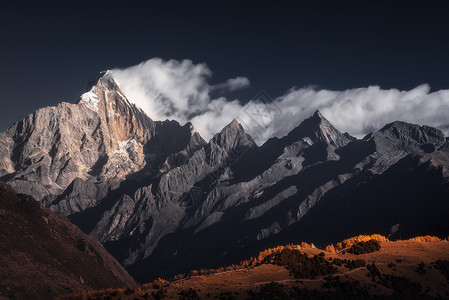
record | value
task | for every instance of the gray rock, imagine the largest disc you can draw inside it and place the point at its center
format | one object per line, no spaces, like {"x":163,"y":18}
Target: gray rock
{"x":149,"y":189}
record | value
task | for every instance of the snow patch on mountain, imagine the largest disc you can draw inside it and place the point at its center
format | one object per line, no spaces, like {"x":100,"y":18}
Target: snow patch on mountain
{"x":91,"y":99}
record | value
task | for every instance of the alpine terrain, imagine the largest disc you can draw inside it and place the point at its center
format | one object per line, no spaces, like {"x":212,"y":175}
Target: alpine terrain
{"x":163,"y":200}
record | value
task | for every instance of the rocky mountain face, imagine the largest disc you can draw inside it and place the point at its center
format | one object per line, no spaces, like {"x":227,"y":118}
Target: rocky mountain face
{"x":71,"y":155}
{"x":163,"y":201}
{"x":43,"y":255}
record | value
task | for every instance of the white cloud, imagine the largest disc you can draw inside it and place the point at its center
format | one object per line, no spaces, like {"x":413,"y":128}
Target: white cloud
{"x":180,"y":90}
{"x":362,"y":110}
{"x":233,"y":84}
{"x":167,"y":89}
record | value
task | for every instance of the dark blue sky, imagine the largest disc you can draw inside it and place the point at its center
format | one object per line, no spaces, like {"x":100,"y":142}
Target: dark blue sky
{"x":50,"y":49}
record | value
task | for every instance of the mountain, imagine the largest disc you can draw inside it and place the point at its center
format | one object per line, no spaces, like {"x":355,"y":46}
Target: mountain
{"x":43,"y":255}
{"x":71,"y":155}
{"x":164,"y":201}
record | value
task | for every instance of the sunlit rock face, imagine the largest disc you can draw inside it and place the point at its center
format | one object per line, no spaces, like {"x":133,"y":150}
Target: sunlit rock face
{"x":71,"y":155}
{"x":164,"y":201}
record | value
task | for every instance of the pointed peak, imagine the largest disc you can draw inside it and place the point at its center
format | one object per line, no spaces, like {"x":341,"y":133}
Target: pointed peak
{"x":99,"y":89}
{"x":103,"y":75}
{"x":104,"y":80}
{"x":232,"y":126}
{"x":318,"y":128}
{"x":235,"y":123}
{"x":319,"y":118}
{"x":318,"y":114}
{"x":232,"y":134}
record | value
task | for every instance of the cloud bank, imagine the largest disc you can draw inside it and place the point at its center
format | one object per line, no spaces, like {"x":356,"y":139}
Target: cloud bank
{"x":180,"y":90}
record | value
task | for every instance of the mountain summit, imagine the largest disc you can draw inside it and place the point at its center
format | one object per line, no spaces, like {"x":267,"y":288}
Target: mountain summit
{"x":413,"y":133}
{"x":233,"y":136}
{"x":318,"y":128}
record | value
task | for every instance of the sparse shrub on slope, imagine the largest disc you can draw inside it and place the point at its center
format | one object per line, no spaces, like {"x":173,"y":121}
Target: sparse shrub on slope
{"x":377,"y":237}
{"x":270,"y":291}
{"x":354,"y":264}
{"x":155,"y":284}
{"x":425,"y":239}
{"x":403,"y":288}
{"x":190,"y":294}
{"x":354,"y":240}
{"x":443,"y":266}
{"x":350,"y":264}
{"x":300,"y":265}
{"x":253,"y":261}
{"x":365,"y":247}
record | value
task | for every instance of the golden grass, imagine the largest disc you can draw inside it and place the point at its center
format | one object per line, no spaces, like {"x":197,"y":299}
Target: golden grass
{"x":249,"y":263}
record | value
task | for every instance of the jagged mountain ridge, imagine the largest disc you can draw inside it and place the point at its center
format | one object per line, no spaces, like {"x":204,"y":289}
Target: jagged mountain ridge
{"x":370,"y":185}
{"x":161,"y":199}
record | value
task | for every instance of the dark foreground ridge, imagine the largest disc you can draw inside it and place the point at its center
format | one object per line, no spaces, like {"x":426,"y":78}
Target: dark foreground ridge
{"x":43,"y":254}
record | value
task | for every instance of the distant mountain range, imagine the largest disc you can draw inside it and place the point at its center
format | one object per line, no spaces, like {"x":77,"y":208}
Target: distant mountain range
{"x":162,"y":200}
